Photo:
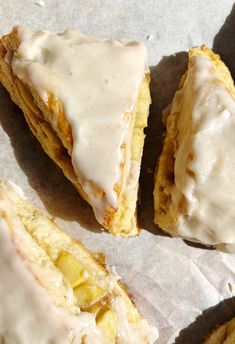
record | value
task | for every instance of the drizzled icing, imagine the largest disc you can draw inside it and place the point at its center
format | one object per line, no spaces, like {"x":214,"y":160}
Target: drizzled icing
{"x":97,"y":81}
{"x":28,"y":313}
{"x":204,"y":192}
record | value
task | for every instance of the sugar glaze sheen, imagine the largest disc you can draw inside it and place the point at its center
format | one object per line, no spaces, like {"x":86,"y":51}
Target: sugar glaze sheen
{"x":206,"y":181}
{"x":97,"y":81}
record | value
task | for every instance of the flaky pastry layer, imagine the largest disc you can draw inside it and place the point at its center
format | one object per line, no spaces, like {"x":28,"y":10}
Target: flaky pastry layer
{"x":69,"y":273}
{"x":165,"y":171}
{"x":57,"y":142}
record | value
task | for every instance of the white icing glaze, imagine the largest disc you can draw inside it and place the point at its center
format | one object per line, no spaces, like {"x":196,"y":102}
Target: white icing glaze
{"x":205,"y":158}
{"x":27,"y":312}
{"x":97,"y":81}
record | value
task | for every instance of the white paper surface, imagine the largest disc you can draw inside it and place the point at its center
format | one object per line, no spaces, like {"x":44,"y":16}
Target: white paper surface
{"x":174,"y":284}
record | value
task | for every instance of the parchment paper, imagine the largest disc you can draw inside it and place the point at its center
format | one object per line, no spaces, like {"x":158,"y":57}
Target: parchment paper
{"x":178,"y":286}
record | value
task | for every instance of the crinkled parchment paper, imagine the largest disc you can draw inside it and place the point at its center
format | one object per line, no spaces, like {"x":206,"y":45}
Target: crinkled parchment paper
{"x":181,"y":288}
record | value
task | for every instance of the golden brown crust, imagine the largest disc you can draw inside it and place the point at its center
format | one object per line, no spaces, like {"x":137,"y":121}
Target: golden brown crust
{"x":224,"y":334}
{"x":49,"y":125}
{"x":165,"y":170}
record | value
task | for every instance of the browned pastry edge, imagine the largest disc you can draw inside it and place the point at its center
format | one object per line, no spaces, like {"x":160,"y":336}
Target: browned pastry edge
{"x":165,"y":178}
{"x":56,"y":140}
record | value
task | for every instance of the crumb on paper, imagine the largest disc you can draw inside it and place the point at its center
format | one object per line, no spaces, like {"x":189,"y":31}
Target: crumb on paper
{"x":231,"y":287}
{"x":149,"y":37}
{"x":100,"y":257}
{"x":40,"y":3}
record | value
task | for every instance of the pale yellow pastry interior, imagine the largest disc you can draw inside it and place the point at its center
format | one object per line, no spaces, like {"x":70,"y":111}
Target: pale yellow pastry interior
{"x":54,"y":290}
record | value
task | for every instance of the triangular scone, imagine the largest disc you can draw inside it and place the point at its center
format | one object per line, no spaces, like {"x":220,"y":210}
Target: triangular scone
{"x":195,"y":183}
{"x":224,"y":334}
{"x":53,"y":290}
{"x":87,"y":101}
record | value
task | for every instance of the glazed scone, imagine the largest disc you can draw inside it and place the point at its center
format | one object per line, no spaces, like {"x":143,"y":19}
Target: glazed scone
{"x":224,"y":334}
{"x":194,"y":195}
{"x":53,"y":290}
{"x":86,"y":100}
